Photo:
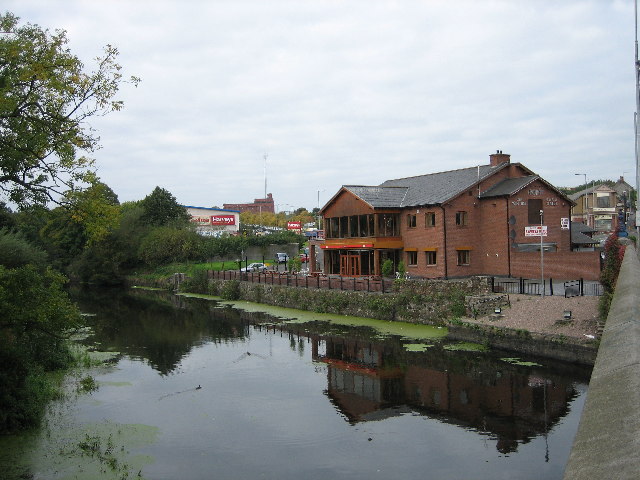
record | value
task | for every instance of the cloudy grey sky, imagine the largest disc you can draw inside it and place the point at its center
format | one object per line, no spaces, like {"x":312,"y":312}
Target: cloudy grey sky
{"x":353,"y":91}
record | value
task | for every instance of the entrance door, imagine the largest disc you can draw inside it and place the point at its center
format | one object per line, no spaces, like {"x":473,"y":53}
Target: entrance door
{"x":350,"y":265}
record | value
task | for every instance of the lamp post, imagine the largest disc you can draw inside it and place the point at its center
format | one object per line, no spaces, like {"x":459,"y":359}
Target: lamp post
{"x":585,"y":202}
{"x":318,"y":218}
{"x":542,"y":250}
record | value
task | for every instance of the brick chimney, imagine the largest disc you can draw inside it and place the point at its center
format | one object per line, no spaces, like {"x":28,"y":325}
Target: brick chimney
{"x":499,"y":158}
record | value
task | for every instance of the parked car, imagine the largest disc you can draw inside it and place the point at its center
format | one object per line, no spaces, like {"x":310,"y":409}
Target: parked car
{"x":254,"y":267}
{"x":304,"y":258}
{"x":282,"y":258}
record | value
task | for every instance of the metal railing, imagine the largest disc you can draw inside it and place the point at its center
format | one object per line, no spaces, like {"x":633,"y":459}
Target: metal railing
{"x":318,"y":281}
{"x":527,"y":286}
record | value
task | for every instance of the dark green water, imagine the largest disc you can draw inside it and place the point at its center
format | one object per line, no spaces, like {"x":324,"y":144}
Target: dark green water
{"x":282,"y":399}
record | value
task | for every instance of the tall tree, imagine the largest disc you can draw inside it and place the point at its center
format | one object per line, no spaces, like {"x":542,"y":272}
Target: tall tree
{"x":96,"y":208}
{"x":162,"y":208}
{"x":46,"y":100}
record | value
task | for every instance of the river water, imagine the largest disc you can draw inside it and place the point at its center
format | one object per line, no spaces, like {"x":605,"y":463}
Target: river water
{"x":198,"y":389}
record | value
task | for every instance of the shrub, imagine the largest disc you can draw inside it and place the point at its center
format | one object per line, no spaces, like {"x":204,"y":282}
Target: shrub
{"x":198,"y":282}
{"x":613,"y":255}
{"x":387,"y":267}
{"x":295,"y":264}
{"x":230,"y":290}
{"x":166,"y":245}
{"x":604,"y":303}
{"x":402,"y":269}
{"x":31,"y":341}
{"x":16,"y":251}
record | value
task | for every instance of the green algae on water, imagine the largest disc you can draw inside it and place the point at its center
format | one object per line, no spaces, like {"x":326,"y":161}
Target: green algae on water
{"x":99,"y":450}
{"x":465,"y":347}
{"x":517,"y":361}
{"x":417,"y":347}
{"x":405,"y":330}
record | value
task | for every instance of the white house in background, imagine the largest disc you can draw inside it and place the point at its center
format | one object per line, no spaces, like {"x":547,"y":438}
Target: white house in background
{"x":214,"y":221}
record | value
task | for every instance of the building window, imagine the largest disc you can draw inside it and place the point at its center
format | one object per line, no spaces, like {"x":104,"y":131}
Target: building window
{"x":464,"y":257}
{"x":388,"y":224}
{"x":430,"y":219}
{"x":412,"y":258}
{"x":462,"y":218}
{"x":411,"y":221}
{"x":534,"y":205}
{"x":431,"y":258}
{"x":603,"y":201}
{"x":353,"y":226}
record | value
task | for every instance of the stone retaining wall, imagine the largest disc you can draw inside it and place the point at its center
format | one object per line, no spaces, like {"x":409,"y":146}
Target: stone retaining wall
{"x":525,"y":342}
{"x":423,"y":301}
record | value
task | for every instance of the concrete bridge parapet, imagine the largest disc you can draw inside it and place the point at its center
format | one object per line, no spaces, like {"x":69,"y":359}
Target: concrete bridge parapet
{"x":607,"y":444}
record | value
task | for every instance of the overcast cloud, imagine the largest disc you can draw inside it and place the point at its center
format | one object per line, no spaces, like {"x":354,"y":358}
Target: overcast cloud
{"x":353,"y":92}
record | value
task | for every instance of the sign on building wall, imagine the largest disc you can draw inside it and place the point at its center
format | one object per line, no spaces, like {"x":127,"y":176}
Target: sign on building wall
{"x":201,"y":220}
{"x":535,"y":231}
{"x":223,"y":220}
{"x":294,"y":226}
{"x":564,"y":223}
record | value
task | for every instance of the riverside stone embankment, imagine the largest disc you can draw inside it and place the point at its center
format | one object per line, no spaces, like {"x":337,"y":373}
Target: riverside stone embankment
{"x":527,"y":325}
{"x":430,"y":302}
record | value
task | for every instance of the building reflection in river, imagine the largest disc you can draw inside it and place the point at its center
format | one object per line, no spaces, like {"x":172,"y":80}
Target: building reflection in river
{"x":368,"y":378}
{"x":371,"y":381}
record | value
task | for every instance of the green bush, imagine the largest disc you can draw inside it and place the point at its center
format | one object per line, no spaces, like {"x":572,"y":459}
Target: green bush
{"x":16,"y":251}
{"x":295,"y":264}
{"x":198,"y":282}
{"x":604,"y":303}
{"x":32,"y":341}
{"x":166,"y":245}
{"x":230,"y":290}
{"x":387,"y":267}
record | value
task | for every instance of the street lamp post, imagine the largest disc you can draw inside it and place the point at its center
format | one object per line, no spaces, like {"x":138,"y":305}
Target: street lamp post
{"x":318,"y":218}
{"x":542,"y":250}
{"x":585,"y":202}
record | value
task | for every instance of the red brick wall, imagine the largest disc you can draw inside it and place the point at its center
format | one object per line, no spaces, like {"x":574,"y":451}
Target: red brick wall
{"x":422,"y":237}
{"x":557,"y":265}
{"x":554,"y":208}
{"x":494,"y":230}
{"x":465,"y":236}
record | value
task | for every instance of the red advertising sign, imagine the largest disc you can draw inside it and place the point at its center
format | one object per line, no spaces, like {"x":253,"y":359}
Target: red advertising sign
{"x":294,"y":225}
{"x":223,"y":220}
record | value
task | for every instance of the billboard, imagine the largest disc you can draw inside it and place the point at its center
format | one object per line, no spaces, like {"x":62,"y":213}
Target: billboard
{"x":223,"y":220}
{"x":294,"y":226}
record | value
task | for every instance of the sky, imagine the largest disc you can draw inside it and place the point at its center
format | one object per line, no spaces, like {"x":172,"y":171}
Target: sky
{"x":352,"y":92}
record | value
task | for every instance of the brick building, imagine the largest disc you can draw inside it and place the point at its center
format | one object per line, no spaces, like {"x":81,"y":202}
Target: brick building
{"x":259,"y":205}
{"x":471,"y":221}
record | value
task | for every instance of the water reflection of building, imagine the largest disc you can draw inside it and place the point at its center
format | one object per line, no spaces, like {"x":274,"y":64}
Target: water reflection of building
{"x":369,"y":381}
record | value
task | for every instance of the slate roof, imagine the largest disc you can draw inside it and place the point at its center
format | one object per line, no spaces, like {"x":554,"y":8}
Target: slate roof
{"x":581,"y":227}
{"x":379,"y":197}
{"x":437,"y":188}
{"x":582,"y":239}
{"x":578,"y":230}
{"x":509,"y":186}
{"x":584,"y":191}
